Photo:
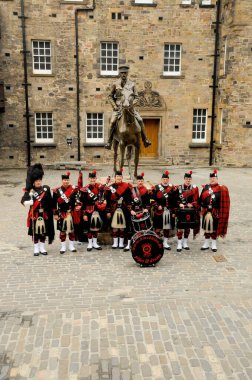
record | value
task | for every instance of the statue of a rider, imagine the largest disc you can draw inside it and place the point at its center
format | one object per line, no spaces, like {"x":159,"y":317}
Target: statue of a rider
{"x":119,"y":87}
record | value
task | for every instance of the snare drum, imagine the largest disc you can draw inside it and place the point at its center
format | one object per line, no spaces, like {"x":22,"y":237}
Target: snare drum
{"x":141,"y":221}
{"x":186,"y":218}
{"x":147,"y":248}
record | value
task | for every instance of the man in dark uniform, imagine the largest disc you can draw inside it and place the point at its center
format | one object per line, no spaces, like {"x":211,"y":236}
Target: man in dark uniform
{"x":164,"y":205}
{"x":215,"y":206}
{"x":118,"y":197}
{"x":187,"y":196}
{"x":140,"y":203}
{"x":66,"y":209}
{"x":92,"y":204}
{"x":40,"y":217}
{"x":121,"y":85}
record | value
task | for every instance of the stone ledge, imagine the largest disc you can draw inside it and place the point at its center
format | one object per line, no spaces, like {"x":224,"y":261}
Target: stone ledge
{"x":143,"y":4}
{"x":172,"y":76}
{"x":93,"y":145}
{"x":199,"y":145}
{"x":44,"y":145}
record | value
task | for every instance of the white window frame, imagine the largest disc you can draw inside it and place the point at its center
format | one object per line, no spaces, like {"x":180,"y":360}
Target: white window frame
{"x":186,"y":2}
{"x":107,"y":57}
{"x":40,"y":58}
{"x":168,"y":56}
{"x":206,"y":2}
{"x":144,"y":1}
{"x":92,"y":127}
{"x":44,"y":125}
{"x":199,"y":126}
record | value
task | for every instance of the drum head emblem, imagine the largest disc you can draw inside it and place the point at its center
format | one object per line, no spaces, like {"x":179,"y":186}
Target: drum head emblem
{"x":146,"y":250}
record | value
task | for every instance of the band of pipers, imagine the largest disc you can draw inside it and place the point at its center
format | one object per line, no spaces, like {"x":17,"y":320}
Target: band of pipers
{"x":140,"y":219}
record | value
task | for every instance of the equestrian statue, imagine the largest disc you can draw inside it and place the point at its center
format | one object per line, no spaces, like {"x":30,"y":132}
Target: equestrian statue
{"x":126,"y":125}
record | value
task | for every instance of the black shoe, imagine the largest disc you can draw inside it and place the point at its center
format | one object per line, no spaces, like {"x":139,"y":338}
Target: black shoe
{"x":62,"y":252}
{"x":147,"y":143}
{"x":186,"y":248}
{"x":126,"y":249}
{"x":108,"y":146}
{"x":204,"y":249}
{"x":98,"y":248}
{"x":44,"y":253}
{"x":179,"y":250}
{"x":214,"y":250}
{"x":168,"y":248}
{"x":89,"y":249}
{"x":73,"y":250}
{"x":36,"y":254}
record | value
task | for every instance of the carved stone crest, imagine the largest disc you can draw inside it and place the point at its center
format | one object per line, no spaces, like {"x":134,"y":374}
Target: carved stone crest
{"x":149,"y":98}
{"x":228,"y":12}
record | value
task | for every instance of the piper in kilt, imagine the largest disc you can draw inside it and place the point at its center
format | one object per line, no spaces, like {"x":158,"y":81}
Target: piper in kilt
{"x":40,"y":217}
{"x":163,"y":196}
{"x":118,"y":197}
{"x":67,"y":211}
{"x":91,"y":199}
{"x":140,"y":203}
{"x":215,"y":206}
{"x":188,"y":206}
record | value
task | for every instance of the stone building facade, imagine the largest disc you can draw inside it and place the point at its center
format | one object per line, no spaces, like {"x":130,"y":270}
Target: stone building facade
{"x":60,"y":112}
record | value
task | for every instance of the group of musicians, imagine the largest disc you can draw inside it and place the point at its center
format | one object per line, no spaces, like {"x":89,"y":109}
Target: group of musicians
{"x":82,"y":212}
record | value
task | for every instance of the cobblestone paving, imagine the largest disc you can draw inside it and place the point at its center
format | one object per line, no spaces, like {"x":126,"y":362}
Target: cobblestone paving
{"x":97,"y":315}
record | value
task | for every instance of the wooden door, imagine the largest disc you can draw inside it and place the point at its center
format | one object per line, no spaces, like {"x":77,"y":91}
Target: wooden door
{"x":151,"y":127}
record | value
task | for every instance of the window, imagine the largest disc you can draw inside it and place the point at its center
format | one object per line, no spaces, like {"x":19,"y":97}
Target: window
{"x":42,"y":58}
{"x":186,"y":2}
{"x":199,"y":125}
{"x":44,"y":127}
{"x":206,"y":2}
{"x":109,"y":58}
{"x":172,"y":59}
{"x":94,"y":127}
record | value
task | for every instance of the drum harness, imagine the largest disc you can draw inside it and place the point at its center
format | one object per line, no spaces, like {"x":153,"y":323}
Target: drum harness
{"x":137,"y":196}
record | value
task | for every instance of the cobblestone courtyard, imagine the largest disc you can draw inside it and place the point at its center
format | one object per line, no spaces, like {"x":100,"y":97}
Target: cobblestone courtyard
{"x":97,"y":315}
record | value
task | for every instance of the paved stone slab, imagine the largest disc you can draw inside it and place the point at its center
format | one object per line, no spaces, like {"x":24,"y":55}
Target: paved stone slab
{"x":97,"y":315}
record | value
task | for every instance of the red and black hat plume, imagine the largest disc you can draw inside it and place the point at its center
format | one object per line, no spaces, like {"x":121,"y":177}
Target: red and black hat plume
{"x":165,"y":174}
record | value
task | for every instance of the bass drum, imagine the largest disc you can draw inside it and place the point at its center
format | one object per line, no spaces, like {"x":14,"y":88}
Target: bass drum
{"x":147,"y":248}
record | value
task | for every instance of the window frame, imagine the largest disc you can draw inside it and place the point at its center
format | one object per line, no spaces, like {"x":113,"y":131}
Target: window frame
{"x":199,"y":130}
{"x":172,"y":73}
{"x":93,"y":140}
{"x":109,"y":72}
{"x":43,"y":139}
{"x":41,"y":71}
{"x":186,"y":2}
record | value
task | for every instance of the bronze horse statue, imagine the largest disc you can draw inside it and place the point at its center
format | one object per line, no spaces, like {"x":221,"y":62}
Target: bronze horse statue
{"x":126,"y":135}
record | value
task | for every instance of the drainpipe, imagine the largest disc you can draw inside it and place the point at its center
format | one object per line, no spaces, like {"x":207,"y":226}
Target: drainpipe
{"x":26,"y":84}
{"x":78,"y":71}
{"x":215,"y":77}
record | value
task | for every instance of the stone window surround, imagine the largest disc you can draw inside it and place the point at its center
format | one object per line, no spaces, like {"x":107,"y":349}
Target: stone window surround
{"x":143,"y":4}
